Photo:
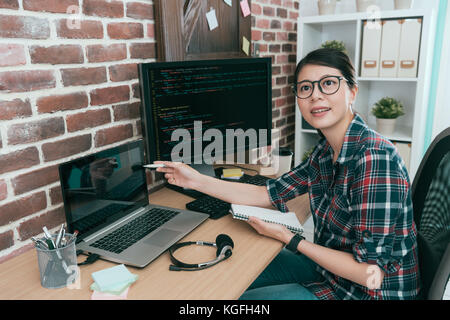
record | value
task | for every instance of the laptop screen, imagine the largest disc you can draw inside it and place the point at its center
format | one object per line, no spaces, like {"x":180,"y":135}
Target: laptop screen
{"x":103,"y":187}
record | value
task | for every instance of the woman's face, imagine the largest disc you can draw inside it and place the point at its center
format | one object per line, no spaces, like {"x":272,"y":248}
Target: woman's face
{"x":324,"y":111}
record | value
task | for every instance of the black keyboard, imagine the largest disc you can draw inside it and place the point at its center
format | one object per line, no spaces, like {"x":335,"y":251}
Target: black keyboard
{"x":130,"y":233}
{"x":256,"y":180}
{"x":217,"y":208}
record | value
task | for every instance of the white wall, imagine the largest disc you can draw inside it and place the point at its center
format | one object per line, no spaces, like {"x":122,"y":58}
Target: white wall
{"x":442,"y":108}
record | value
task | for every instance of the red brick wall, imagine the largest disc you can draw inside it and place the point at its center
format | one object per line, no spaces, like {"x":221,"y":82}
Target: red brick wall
{"x":274,"y":34}
{"x":69,"y":87}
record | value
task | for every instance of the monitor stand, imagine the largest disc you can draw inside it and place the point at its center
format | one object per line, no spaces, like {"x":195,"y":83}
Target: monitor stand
{"x":206,"y":169}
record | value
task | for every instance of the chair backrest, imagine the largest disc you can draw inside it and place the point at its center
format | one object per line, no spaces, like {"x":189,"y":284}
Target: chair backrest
{"x":431,"y":204}
{"x":441,"y":278}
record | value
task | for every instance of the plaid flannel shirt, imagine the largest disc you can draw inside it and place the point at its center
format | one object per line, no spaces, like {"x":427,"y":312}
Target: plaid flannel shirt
{"x":361,"y":204}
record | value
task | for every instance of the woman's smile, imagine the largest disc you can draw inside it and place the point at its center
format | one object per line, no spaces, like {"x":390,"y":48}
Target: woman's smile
{"x":319,"y":111}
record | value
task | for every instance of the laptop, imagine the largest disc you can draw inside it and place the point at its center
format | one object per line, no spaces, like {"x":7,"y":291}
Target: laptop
{"x":105,"y":198}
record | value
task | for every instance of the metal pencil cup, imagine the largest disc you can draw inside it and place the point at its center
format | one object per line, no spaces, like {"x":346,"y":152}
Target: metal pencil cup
{"x":57,"y":267}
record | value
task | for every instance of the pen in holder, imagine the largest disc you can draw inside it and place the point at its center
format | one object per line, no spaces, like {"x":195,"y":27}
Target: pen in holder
{"x":57,"y":265}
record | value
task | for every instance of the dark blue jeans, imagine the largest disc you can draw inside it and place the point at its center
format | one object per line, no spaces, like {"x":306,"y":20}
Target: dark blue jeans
{"x":283,"y":278}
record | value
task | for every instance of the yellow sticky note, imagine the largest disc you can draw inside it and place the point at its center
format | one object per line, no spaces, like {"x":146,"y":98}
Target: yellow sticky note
{"x":245,"y":45}
{"x":227,"y":173}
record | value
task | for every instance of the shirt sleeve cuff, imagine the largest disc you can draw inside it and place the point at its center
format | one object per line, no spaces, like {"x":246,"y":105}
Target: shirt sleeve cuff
{"x":274,"y":196}
{"x":365,"y":251}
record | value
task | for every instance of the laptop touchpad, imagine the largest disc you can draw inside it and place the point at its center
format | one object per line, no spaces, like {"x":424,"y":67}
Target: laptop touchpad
{"x":162,"y":237}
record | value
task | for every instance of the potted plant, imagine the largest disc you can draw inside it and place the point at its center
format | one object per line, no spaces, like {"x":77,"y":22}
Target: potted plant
{"x":307,"y":153}
{"x":335,"y":44}
{"x":327,"y":6}
{"x":387,"y":110}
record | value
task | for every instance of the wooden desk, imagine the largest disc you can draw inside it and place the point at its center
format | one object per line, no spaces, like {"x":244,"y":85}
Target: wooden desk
{"x":19,"y":277}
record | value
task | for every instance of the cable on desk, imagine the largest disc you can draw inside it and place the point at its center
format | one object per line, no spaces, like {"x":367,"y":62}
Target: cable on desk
{"x":92,"y":257}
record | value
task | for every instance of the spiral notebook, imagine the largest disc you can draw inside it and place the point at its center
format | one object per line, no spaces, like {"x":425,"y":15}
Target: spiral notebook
{"x":289,"y":219}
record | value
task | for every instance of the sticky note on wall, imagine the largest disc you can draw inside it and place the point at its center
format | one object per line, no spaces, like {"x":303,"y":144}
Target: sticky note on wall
{"x":245,"y":8}
{"x":245,"y":45}
{"x":228,"y":2}
{"x":212,"y":19}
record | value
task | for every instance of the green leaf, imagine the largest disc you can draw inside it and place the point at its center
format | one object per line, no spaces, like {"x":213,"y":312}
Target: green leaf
{"x":388,"y":108}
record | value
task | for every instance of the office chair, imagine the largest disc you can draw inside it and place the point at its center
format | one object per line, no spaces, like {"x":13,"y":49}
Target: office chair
{"x":431,"y":204}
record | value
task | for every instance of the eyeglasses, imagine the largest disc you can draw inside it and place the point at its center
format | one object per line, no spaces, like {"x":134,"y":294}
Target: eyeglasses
{"x":327,"y":85}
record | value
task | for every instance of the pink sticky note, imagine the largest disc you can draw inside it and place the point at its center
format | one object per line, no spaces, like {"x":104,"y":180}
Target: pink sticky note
{"x":245,"y":8}
{"x":97,"y":295}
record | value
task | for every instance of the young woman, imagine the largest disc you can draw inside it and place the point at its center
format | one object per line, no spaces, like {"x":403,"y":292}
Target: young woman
{"x":364,"y":235}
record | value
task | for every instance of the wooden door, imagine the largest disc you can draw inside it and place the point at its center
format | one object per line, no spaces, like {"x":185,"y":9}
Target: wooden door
{"x":182,"y":31}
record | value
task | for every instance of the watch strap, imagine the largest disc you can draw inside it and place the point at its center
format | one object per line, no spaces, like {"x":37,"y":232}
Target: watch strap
{"x":293,"y":244}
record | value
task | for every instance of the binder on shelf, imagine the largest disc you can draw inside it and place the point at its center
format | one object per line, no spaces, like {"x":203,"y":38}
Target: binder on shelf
{"x":371,"y":46}
{"x":409,"y":48}
{"x":389,"y":48}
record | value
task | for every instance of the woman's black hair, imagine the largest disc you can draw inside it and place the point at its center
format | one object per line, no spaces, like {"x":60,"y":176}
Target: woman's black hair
{"x":332,"y":58}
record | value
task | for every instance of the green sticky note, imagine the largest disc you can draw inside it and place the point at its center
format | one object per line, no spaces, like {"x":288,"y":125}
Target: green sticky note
{"x":113,"y":278}
{"x":116,"y":289}
{"x":245,"y":45}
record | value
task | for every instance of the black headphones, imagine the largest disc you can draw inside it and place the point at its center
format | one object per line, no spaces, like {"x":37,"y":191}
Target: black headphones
{"x":224,"y":246}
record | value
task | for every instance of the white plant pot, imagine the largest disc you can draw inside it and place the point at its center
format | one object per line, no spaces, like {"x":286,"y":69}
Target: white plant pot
{"x":402,"y":4}
{"x":362,"y":5}
{"x":326,"y":6}
{"x":386,"y":127}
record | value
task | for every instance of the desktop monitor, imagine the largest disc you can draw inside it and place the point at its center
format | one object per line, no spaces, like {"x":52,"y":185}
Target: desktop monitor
{"x":198,"y":112}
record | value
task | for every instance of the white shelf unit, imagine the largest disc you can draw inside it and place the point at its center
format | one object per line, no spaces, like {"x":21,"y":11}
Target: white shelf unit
{"x":412,"y":92}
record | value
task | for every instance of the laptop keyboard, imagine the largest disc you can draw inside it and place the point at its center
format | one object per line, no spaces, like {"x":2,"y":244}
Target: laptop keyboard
{"x":99,"y":216}
{"x":130,"y":233}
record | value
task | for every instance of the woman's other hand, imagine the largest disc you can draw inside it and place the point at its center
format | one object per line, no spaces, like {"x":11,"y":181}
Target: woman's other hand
{"x":272,"y":230}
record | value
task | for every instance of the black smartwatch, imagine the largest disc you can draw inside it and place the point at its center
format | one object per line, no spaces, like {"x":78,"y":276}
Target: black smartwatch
{"x":293,"y":244}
